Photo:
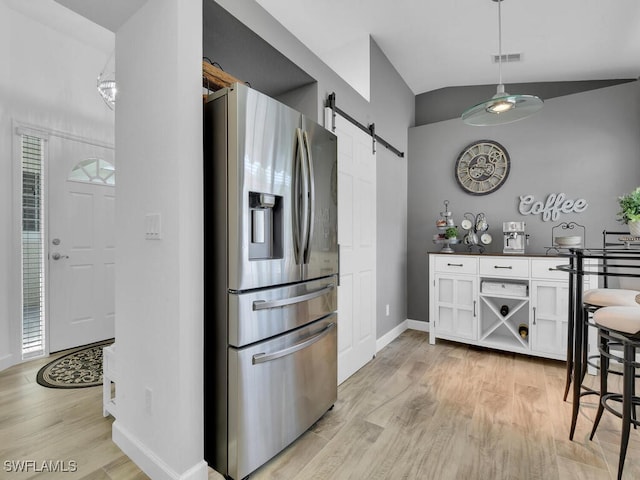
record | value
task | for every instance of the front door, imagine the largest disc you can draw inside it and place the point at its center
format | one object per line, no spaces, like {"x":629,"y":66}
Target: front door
{"x":81,"y":243}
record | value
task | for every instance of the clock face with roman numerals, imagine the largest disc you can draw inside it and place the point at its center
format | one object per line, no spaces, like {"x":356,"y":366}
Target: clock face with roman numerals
{"x":482,"y":167}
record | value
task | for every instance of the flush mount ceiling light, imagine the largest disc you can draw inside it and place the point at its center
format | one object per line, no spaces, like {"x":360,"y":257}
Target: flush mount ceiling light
{"x":107,"y":82}
{"x":502,"y":107}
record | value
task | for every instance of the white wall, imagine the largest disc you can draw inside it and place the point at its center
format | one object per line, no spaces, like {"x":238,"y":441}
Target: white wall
{"x":47,"y":79}
{"x":159,"y":294}
{"x":353,"y":63}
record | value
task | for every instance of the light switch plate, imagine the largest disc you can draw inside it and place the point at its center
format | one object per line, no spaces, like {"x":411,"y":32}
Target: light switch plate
{"x":152,"y":226}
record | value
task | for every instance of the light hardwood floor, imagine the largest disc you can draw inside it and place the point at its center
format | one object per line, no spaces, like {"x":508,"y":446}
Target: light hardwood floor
{"x":417,"y":411}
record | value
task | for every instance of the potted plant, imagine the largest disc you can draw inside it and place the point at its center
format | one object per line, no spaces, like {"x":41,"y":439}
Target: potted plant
{"x":630,"y":211}
{"x":451,"y":232}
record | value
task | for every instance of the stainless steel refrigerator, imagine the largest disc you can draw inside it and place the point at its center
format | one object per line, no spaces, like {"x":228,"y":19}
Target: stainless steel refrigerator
{"x":271,"y":275}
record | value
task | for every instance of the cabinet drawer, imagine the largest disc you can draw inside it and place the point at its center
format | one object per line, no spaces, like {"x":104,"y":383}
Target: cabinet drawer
{"x":546,"y":269}
{"x":504,"y":267}
{"x":456,"y":264}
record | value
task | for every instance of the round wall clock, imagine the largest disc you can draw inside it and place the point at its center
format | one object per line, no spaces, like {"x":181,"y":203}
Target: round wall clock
{"x":482,"y":167}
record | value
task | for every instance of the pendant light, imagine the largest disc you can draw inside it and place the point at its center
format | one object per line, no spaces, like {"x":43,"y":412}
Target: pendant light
{"x":502,"y":107}
{"x":107,"y":82}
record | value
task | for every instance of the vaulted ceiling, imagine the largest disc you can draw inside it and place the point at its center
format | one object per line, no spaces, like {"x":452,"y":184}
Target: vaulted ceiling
{"x":451,"y":42}
{"x":436,"y":44}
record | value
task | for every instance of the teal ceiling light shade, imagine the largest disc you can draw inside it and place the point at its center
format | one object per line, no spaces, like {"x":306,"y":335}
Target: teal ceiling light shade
{"x":502,"y":107}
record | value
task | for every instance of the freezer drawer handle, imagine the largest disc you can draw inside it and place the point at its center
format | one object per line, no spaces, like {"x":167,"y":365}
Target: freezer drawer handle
{"x":264,"y":357}
{"x":264,"y":305}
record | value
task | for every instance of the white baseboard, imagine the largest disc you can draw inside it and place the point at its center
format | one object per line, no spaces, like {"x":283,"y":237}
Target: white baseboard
{"x":149,"y":462}
{"x":418,"y":325}
{"x":390,"y":336}
{"x":6,"y":361}
{"x":395,"y":332}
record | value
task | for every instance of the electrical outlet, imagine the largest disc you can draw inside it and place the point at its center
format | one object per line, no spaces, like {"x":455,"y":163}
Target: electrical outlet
{"x":387,"y":309}
{"x":148,"y":399}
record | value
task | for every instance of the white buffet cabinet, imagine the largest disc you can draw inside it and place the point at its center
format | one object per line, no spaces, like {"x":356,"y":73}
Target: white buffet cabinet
{"x":489,"y":299}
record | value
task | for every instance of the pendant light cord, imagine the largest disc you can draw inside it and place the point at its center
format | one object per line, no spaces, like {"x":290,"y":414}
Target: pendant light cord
{"x":502,"y":107}
{"x":499,"y":42}
{"x":106,"y":65}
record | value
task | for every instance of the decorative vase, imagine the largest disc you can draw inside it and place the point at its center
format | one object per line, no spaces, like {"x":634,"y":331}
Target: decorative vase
{"x":634,"y":229}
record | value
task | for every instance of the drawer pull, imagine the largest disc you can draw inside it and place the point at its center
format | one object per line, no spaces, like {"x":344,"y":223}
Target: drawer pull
{"x":500,"y":266}
{"x":265,"y":305}
{"x":454,"y":265}
{"x":267,"y":357}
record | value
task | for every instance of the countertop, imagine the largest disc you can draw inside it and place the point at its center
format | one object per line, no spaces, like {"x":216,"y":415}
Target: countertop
{"x":552,"y":253}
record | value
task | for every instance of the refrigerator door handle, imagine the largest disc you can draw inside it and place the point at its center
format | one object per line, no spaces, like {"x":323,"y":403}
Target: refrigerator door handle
{"x":301,"y":199}
{"x":312,"y":199}
{"x":265,"y":305}
{"x":298,"y":197}
{"x":267,"y":357}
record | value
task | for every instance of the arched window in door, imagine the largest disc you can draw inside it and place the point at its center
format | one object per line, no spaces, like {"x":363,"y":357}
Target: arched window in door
{"x":94,"y":170}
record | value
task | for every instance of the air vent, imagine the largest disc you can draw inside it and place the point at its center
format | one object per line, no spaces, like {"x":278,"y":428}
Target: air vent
{"x":508,"y":57}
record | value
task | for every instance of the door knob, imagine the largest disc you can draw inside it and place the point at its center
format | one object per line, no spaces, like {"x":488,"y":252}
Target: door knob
{"x":57,"y":256}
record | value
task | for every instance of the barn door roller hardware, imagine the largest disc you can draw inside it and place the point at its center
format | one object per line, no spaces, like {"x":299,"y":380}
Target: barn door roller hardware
{"x":371,"y":129}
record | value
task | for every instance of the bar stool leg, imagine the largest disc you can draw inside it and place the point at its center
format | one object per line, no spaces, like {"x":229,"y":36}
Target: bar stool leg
{"x":604,"y":373}
{"x":627,"y":401}
{"x":569,"y":361}
{"x":585,"y":344}
{"x":570,"y":332}
{"x":634,"y":405}
{"x":577,"y":370}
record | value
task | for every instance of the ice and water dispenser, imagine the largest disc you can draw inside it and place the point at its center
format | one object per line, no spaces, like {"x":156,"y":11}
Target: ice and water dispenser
{"x":265,"y":216}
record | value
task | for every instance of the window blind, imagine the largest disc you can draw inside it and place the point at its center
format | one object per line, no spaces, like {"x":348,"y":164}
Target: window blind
{"x":33,"y":272}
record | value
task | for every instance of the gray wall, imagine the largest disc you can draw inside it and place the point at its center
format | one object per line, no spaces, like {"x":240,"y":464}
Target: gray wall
{"x":391,"y":108}
{"x":303,"y":99}
{"x":586,"y":145}
{"x":245,"y":55}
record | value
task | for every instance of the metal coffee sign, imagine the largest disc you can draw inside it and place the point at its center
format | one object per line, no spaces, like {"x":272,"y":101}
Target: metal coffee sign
{"x":551,"y":207}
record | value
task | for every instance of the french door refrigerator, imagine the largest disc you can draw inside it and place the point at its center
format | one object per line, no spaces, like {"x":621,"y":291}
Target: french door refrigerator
{"x":271,"y":275}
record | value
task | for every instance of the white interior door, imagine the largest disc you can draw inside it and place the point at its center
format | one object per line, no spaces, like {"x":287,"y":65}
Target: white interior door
{"x":357,"y":239}
{"x":81,"y":243}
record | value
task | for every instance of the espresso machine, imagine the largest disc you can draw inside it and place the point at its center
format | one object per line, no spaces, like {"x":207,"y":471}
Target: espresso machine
{"x":515,"y":238}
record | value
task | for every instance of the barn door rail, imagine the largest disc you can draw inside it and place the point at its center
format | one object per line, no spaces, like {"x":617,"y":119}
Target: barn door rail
{"x":370,"y":129}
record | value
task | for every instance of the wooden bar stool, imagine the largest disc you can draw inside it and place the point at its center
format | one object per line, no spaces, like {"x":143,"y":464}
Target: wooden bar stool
{"x":619,"y":325}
